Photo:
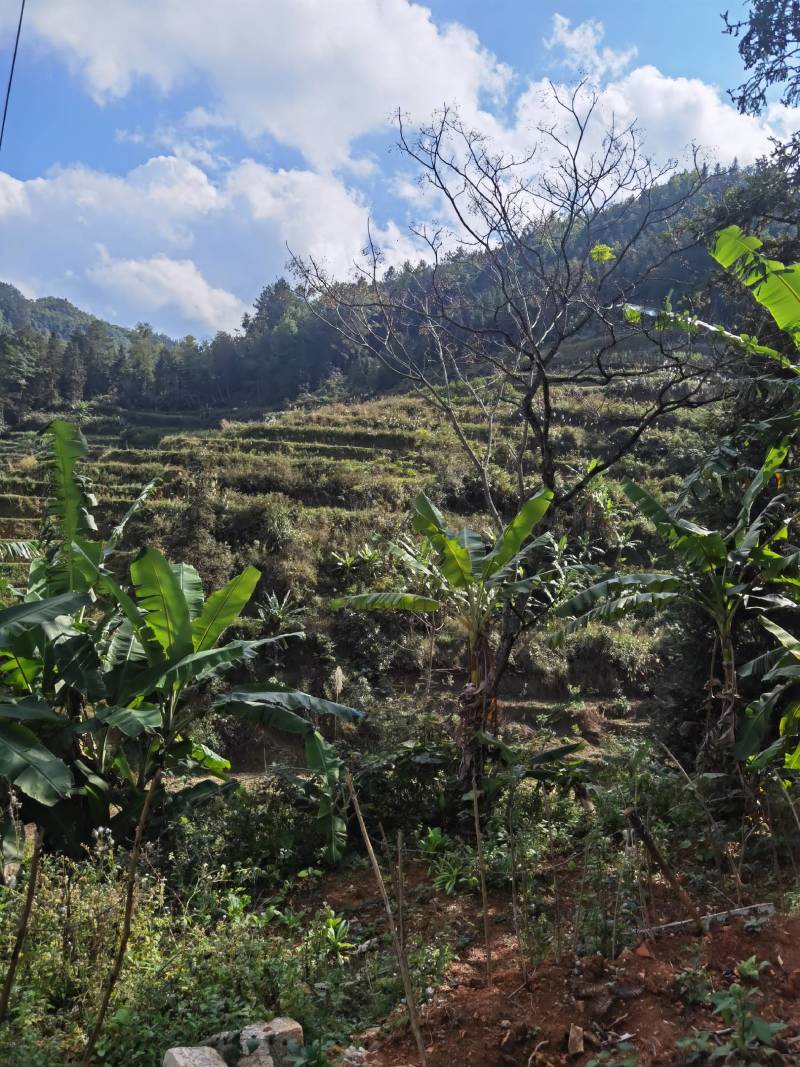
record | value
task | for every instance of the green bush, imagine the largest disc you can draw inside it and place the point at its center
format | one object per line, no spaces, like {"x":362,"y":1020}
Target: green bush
{"x":608,"y":660}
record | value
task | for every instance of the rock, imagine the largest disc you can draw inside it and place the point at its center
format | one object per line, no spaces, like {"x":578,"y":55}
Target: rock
{"x":354,"y":1057}
{"x":260,"y":1058}
{"x":226,"y":1044}
{"x":280,"y":1039}
{"x":575,"y":1040}
{"x":200,"y":1056}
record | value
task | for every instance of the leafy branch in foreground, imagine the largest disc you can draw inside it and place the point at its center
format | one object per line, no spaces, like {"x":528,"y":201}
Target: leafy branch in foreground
{"x":473,"y":581}
{"x":99,"y":679}
{"x":749,"y":566}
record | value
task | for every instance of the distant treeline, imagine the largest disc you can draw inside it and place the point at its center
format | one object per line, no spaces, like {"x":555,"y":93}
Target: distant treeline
{"x":54,"y":355}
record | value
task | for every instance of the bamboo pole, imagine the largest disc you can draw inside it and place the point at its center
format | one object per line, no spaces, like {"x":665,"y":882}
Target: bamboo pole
{"x":482,"y":869}
{"x":398,"y":948}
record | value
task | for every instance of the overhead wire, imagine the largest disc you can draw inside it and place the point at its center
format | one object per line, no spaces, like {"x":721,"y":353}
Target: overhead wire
{"x":11,"y":72}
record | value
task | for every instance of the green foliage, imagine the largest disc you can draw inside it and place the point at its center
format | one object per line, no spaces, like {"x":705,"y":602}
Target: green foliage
{"x":114,"y":674}
{"x":775,"y":286}
{"x":748,"y":566}
{"x":471,"y":580}
{"x":752,"y":1038}
{"x":693,"y":986}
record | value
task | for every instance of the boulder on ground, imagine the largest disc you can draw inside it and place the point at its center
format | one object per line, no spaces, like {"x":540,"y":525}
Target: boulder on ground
{"x":200,"y":1056}
{"x":282,"y":1038}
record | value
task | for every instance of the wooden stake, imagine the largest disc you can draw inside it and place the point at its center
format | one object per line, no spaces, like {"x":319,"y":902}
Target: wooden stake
{"x":482,"y":868}
{"x":130,"y":889}
{"x":22,"y":925}
{"x":401,"y":921}
{"x":665,"y":868}
{"x":398,"y":948}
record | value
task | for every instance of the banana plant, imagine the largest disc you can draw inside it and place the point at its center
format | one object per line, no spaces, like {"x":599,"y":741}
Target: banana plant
{"x":471,"y":580}
{"x":98,"y":678}
{"x":774,"y":285}
{"x":779,"y":669}
{"x":749,"y":566}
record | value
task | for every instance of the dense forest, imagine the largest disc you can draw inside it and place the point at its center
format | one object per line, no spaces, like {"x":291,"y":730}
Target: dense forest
{"x":54,"y":355}
{"x":411,"y":676}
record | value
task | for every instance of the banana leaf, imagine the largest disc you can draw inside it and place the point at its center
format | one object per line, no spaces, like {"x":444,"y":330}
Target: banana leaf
{"x":159,"y":595}
{"x":223,"y":608}
{"x":31,"y":767}
{"x":387,"y":601}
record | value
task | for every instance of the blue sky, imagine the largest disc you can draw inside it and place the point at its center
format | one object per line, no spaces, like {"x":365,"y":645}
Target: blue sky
{"x":161,"y":154}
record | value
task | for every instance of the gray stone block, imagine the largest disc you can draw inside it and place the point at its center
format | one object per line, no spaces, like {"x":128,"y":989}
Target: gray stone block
{"x":280,"y":1037}
{"x":200,"y":1056}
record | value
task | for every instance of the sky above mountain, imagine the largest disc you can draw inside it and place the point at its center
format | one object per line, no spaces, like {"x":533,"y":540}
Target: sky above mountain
{"x":162,"y":156}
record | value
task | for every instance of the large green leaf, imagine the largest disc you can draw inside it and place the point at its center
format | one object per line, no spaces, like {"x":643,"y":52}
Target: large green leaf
{"x":455,"y":561}
{"x":20,"y":551}
{"x":775,"y":286}
{"x":159,"y":595}
{"x":208,"y":761}
{"x":696,"y":544}
{"x":136,"y":506}
{"x":195,"y":667}
{"x":223,"y":608}
{"x":31,"y":767}
{"x":788,"y":642}
{"x":617,"y":608}
{"x":427,"y":519}
{"x":137,"y":620}
{"x":322,"y":759}
{"x":74,"y":656}
{"x":517,"y":532}
{"x":68,"y":509}
{"x":772,"y":462}
{"x":388,"y":601}
{"x":191,"y":586}
{"x":30,"y":710}
{"x":130,"y":721}
{"x":279,"y":706}
{"x":612,"y":588}
{"x":20,"y":618}
{"x":19,"y":670}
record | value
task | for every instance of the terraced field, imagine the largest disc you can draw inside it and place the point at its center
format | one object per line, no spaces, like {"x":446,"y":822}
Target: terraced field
{"x":303,"y":484}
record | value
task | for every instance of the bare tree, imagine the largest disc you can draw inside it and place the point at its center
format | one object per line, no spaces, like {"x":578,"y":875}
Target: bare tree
{"x":525,"y":291}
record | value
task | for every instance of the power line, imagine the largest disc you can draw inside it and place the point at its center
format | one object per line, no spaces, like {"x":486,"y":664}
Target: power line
{"x":11,"y":72}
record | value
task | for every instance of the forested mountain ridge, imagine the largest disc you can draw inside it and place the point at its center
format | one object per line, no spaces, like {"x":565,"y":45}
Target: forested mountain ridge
{"x":48,"y":314}
{"x":54,"y":354}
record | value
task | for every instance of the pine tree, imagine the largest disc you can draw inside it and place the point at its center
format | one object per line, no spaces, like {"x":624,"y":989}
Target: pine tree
{"x":43,"y":391}
{"x":72,"y":380}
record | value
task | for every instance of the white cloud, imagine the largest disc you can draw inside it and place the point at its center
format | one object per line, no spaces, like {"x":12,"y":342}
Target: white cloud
{"x":673,"y":114}
{"x":169,"y":243}
{"x":581,"y":48}
{"x":188,"y":238}
{"x":313,"y":74}
{"x":172,"y":285}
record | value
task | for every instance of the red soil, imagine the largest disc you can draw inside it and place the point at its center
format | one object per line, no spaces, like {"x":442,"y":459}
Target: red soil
{"x":527,"y":1023}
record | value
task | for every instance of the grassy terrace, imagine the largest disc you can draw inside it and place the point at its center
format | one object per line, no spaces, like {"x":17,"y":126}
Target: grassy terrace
{"x":306,"y":483}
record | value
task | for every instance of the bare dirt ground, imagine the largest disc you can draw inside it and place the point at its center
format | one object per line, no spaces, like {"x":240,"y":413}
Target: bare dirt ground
{"x":525,"y":1020}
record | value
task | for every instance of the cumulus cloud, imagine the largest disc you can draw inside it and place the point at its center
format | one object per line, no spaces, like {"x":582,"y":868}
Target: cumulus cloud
{"x":673,"y":114}
{"x":315,"y":75}
{"x":169,"y":243}
{"x":188,"y":238}
{"x":172,"y":285}
{"x":581,"y":48}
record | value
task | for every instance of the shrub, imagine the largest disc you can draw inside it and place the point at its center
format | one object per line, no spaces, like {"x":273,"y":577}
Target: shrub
{"x":608,"y":660}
